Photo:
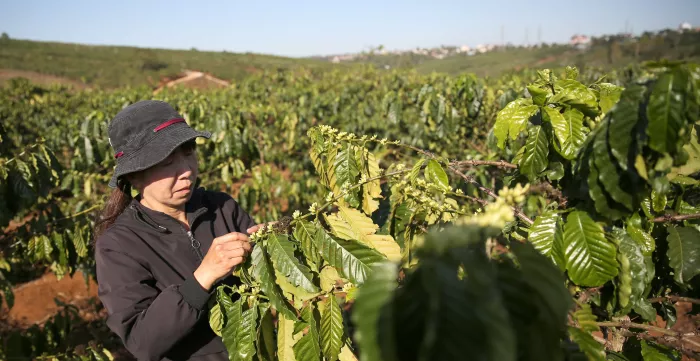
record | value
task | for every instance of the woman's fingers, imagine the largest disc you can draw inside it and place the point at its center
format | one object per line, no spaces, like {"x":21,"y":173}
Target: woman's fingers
{"x":238,"y":252}
{"x":256,"y":227}
{"x":232,"y":262}
{"x":233,"y":245}
{"x":230,"y":237}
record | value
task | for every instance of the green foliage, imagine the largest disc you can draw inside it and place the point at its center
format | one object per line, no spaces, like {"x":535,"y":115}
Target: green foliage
{"x":399,"y":234}
{"x":590,"y":257}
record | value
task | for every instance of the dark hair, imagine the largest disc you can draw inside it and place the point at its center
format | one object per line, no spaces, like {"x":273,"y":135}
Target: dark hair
{"x":116,"y":204}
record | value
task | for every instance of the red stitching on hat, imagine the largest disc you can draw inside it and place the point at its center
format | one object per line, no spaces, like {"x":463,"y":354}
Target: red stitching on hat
{"x":118,"y":155}
{"x":168,"y":123}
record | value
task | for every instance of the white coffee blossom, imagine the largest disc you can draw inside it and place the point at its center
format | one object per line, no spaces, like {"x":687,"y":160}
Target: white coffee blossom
{"x":329,"y":197}
{"x":296,"y":214}
{"x":313,"y":207}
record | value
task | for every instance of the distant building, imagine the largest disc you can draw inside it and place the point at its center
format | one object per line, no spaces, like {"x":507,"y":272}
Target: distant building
{"x":463,"y":49}
{"x":685,"y":26}
{"x":580,"y":42}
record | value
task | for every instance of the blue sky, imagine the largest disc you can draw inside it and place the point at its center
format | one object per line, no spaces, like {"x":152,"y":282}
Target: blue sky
{"x":304,"y":28}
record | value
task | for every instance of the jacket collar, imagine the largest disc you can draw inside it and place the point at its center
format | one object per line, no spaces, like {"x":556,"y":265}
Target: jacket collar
{"x":165,"y":223}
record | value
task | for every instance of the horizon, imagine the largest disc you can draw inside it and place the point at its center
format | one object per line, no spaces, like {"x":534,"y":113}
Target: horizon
{"x":335,"y":31}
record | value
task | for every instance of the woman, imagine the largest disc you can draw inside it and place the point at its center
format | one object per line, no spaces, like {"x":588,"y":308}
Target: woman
{"x":161,"y":255}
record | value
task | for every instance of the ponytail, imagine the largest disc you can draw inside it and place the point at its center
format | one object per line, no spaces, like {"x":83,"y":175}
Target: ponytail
{"x":116,"y":204}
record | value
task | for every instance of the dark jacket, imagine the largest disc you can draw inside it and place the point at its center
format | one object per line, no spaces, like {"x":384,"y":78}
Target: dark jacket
{"x":145,"y":265}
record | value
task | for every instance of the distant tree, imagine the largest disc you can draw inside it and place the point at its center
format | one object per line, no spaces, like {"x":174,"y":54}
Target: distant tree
{"x":4,"y":37}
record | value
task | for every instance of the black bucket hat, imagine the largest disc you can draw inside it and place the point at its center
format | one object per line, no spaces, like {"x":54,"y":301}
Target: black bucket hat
{"x":145,"y":133}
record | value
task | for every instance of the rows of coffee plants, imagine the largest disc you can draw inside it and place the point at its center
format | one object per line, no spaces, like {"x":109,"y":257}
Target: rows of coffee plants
{"x":545,"y":216}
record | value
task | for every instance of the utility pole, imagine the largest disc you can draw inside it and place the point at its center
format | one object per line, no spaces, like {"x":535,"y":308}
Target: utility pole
{"x":539,"y":34}
{"x":503,"y":44}
{"x":527,"y":41}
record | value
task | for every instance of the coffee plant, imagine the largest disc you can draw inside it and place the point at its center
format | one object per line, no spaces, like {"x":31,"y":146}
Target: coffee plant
{"x":613,"y":171}
{"x":546,"y":215}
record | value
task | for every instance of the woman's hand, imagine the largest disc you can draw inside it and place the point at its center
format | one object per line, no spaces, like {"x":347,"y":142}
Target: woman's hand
{"x":226,"y":252}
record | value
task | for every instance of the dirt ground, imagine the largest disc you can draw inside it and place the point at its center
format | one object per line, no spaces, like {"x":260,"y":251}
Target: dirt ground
{"x":34,"y":304}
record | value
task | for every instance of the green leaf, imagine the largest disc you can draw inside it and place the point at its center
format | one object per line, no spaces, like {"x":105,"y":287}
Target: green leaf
{"x":232,"y":318}
{"x":430,"y":319}
{"x":539,"y":95}
{"x":540,"y":317}
{"x":216,"y":318}
{"x":622,"y":125}
{"x":586,"y":320}
{"x":645,"y":309}
{"x":416,"y":170}
{"x":534,"y":160}
{"x":246,"y":335}
{"x":576,"y":95}
{"x":265,"y":274}
{"x":590,"y":258}
{"x":328,"y":278}
{"x":655,"y":352}
{"x":347,"y":171}
{"x":665,"y":112}
{"x":644,"y":239}
{"x":285,"y":339}
{"x":636,"y":271}
{"x":374,"y":301}
{"x":571,"y":72}
{"x":513,"y":119}
{"x":304,"y":232}
{"x":266,"y":334}
{"x":351,"y":224}
{"x":400,"y":219}
{"x":352,"y":259}
{"x":587,"y":344}
{"x":436,"y":175}
{"x":332,"y":337}
{"x":493,"y":315}
{"x":6,"y":288}
{"x":615,"y":356}
{"x":568,"y":128}
{"x":555,"y":172}
{"x":548,"y":281}
{"x":281,"y":251}
{"x":308,"y":347}
{"x":609,"y":175}
{"x":596,"y":192}
{"x":609,"y":95}
{"x":89,"y":153}
{"x":41,"y":247}
{"x":544,"y":232}
{"x":658,"y":201}
{"x":372,"y":189}
{"x":684,"y":252}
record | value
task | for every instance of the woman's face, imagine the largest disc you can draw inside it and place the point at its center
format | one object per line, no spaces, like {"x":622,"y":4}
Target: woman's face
{"x":169,"y":183}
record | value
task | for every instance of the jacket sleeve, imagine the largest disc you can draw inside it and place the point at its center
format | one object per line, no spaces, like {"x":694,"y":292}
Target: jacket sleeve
{"x":241,"y":219}
{"x":149,"y":322}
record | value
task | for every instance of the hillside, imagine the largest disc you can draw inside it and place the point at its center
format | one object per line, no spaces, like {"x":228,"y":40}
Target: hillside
{"x":117,"y":66}
{"x":606,"y":52}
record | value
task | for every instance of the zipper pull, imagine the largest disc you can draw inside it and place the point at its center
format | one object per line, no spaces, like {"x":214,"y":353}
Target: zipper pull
{"x":195,"y":244}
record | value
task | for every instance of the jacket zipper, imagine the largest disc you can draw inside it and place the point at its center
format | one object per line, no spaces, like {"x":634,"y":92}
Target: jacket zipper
{"x":195,"y":245}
